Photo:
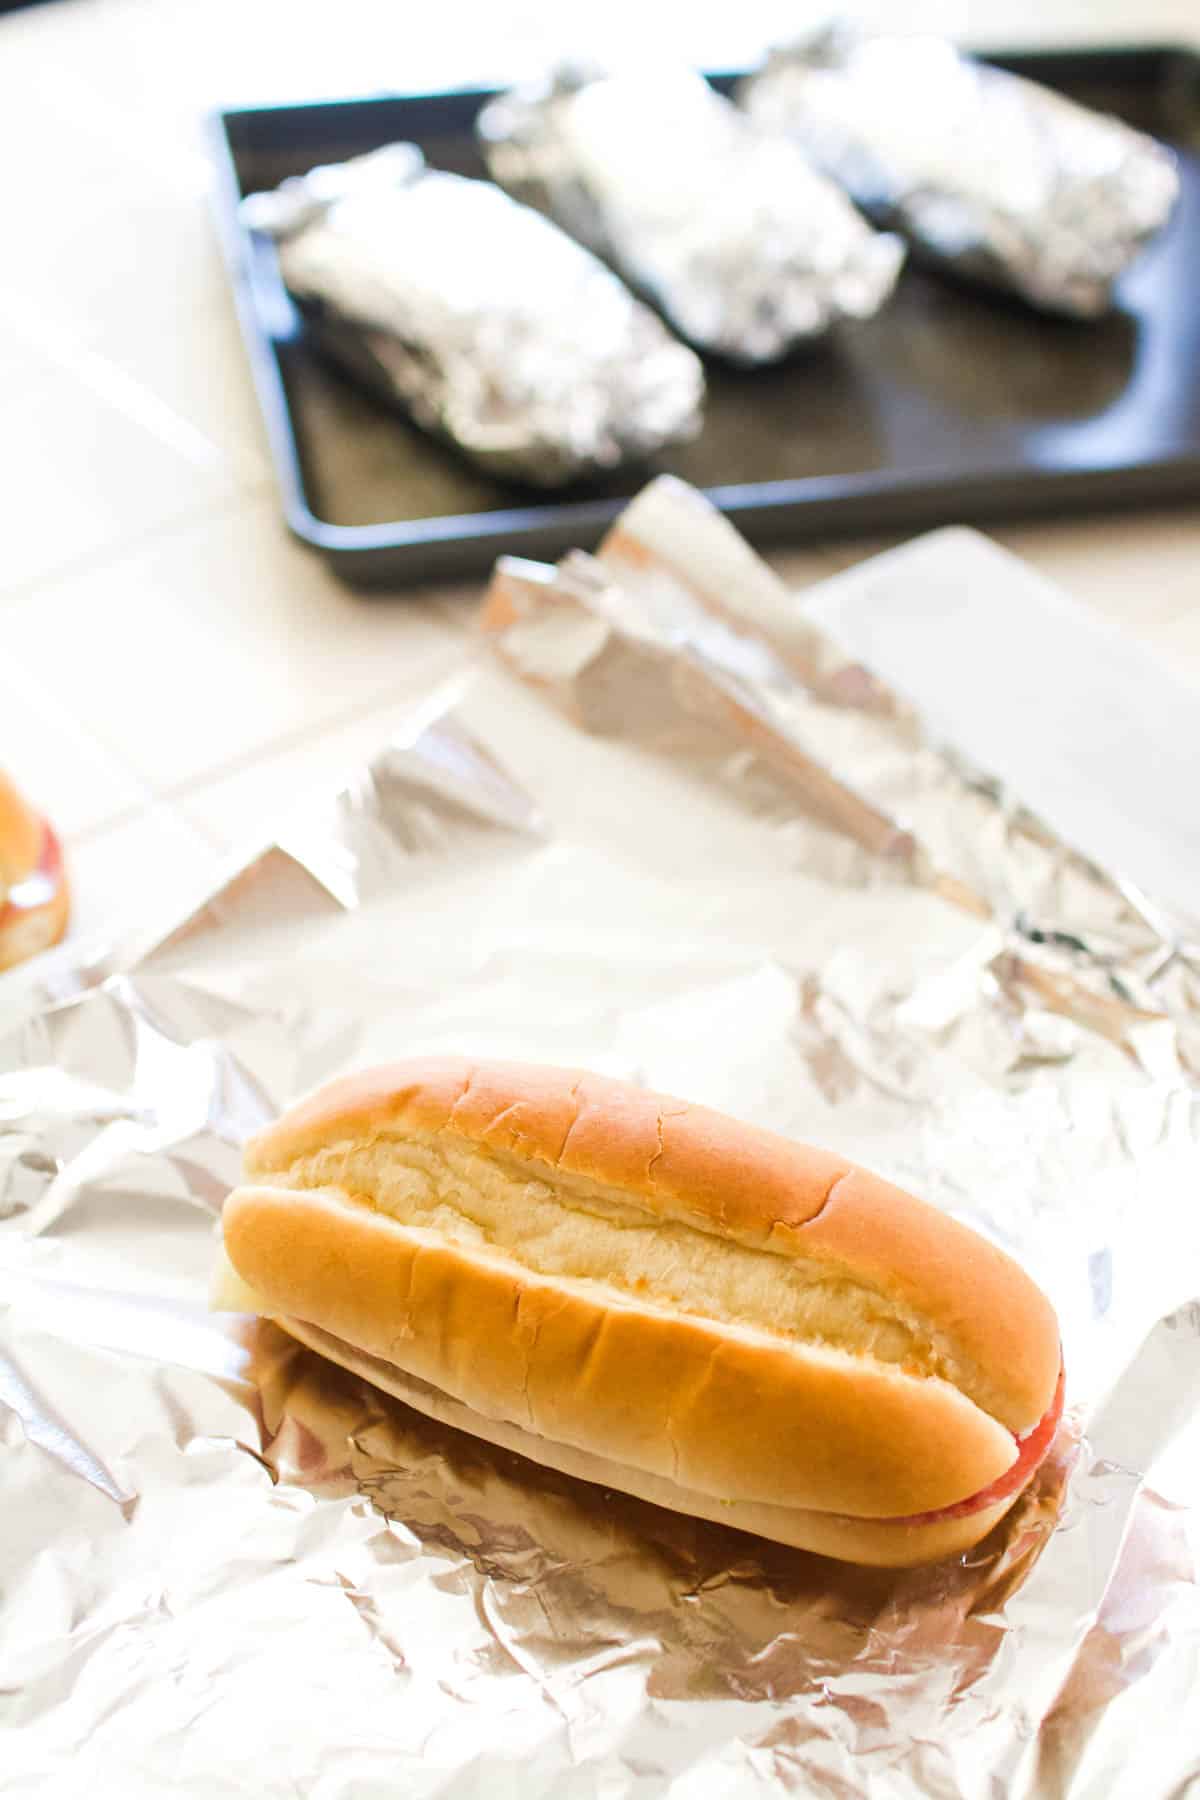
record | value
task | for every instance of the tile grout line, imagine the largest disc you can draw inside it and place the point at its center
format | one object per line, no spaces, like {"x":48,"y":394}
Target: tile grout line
{"x":132,"y":815}
{"x":100,"y":562}
{"x":288,"y":741}
{"x":124,"y":391}
{"x":190,"y":786}
{"x":213,"y":776}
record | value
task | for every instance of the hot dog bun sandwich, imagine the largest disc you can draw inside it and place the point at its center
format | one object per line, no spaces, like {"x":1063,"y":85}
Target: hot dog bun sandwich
{"x":657,"y":1298}
{"x":33,"y":889}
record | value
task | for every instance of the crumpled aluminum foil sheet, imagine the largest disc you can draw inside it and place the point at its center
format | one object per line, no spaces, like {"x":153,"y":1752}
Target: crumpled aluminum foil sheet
{"x":679,"y":616}
{"x":485,"y":322}
{"x":230,"y":1567}
{"x":728,"y":229}
{"x":984,"y":172}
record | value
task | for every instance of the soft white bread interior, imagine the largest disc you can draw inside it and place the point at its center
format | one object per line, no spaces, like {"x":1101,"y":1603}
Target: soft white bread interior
{"x":721,"y":1314}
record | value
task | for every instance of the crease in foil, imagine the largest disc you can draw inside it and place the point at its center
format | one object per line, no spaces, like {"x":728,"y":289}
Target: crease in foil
{"x":479,"y":317}
{"x":728,"y":229}
{"x":676,"y":632}
{"x":982,"y":171}
{"x":230,"y":1566}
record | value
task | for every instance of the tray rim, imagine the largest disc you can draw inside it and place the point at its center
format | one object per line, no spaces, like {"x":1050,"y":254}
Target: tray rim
{"x":801,"y":508}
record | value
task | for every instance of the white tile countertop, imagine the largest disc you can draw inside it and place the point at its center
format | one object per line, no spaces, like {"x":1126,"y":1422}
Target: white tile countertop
{"x":173,"y":669}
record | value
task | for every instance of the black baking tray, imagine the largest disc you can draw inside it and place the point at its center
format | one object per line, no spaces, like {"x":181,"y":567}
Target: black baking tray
{"x":952,"y":405}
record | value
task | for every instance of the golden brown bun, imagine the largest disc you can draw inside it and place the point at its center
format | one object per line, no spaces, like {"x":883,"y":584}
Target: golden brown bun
{"x":738,"y":1415}
{"x":627,"y":1277}
{"x":33,"y":891}
{"x":871,"y":1541}
{"x":20,"y":836}
{"x":880,"y":1543}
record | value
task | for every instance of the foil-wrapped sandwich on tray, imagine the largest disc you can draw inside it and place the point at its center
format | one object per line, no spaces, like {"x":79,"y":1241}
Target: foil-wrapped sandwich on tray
{"x":728,"y":228}
{"x":984,"y":172}
{"x":487,"y":324}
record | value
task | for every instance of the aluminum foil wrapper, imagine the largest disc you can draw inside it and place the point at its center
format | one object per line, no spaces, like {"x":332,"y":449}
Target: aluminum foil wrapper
{"x":728,"y":229}
{"x":982,"y":171}
{"x":480,"y":318}
{"x":228,"y":1566}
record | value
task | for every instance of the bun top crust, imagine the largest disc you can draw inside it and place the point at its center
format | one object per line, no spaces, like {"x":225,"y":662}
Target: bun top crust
{"x":730,"y":1180}
{"x":20,"y":836}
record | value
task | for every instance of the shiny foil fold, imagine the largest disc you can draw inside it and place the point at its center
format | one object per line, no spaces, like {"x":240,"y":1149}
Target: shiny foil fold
{"x":480,"y":318}
{"x":728,"y":229}
{"x":982,"y":171}
{"x":690,"y":641}
{"x":228,"y":1566}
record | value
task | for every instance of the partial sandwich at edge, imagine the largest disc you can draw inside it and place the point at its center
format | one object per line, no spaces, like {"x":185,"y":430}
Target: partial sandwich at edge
{"x":34,"y":901}
{"x":653,"y":1296}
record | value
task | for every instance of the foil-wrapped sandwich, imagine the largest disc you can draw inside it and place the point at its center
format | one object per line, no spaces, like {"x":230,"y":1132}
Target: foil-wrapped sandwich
{"x":482,"y":319}
{"x":727,"y":228}
{"x":982,"y":171}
